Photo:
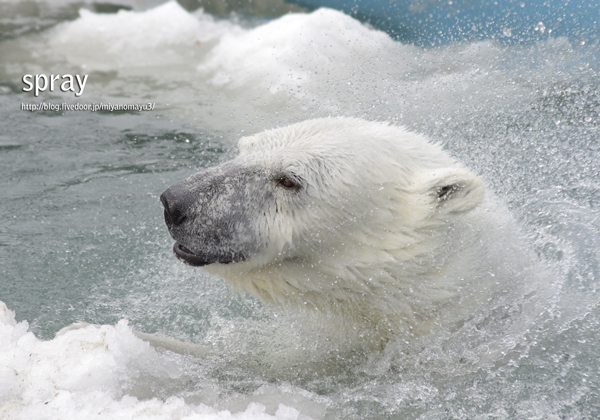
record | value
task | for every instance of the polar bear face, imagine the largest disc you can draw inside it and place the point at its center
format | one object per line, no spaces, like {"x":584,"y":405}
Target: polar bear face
{"x":331,"y":213}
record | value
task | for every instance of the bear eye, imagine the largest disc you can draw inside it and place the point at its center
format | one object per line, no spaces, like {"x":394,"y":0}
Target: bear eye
{"x":287,"y":183}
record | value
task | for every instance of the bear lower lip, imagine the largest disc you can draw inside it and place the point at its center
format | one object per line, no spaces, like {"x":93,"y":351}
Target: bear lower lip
{"x":198,"y":260}
{"x":184,"y":249}
{"x":189,"y":257}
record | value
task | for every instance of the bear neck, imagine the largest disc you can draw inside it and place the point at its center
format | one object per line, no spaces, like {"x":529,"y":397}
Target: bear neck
{"x":416,"y":283}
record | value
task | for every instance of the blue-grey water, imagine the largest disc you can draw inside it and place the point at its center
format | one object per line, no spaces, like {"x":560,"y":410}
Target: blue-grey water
{"x":82,"y":236}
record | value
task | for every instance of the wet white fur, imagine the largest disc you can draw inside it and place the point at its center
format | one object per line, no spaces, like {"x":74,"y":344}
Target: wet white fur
{"x":367,"y":243}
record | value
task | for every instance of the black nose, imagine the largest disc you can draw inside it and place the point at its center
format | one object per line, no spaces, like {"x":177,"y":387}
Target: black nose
{"x":175,"y":200}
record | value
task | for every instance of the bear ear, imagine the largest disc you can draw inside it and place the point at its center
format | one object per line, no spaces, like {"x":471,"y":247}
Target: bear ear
{"x":452,"y":190}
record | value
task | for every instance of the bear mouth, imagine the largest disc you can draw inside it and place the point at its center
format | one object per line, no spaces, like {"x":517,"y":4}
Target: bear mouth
{"x":189,"y":257}
{"x":198,"y":260}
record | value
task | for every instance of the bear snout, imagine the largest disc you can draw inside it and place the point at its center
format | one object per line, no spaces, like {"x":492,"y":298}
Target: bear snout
{"x":209,"y":222}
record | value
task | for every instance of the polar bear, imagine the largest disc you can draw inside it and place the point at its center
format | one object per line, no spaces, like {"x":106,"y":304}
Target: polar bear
{"x":366,"y":223}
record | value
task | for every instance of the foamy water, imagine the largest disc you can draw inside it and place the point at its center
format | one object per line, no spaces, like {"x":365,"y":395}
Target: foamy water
{"x":83,"y":239}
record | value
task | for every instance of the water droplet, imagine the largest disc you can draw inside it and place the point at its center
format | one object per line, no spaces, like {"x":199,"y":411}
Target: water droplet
{"x":540,"y":27}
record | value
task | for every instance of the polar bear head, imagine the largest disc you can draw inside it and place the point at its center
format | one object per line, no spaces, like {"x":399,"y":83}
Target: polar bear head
{"x":338,"y":215}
